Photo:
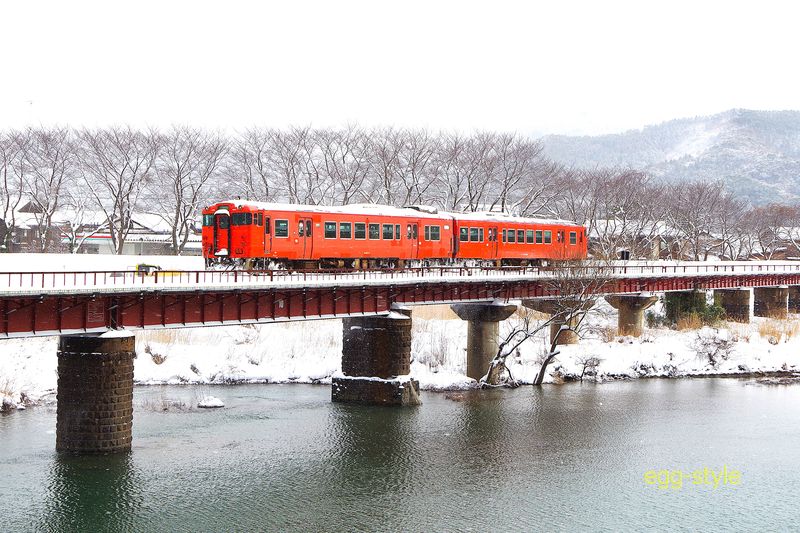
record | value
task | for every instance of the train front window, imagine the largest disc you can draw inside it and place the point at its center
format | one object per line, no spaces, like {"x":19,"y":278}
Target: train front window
{"x":361,"y":230}
{"x":208,"y":220}
{"x":538,"y":236}
{"x":345,"y":229}
{"x":529,"y":236}
{"x":242,"y":219}
{"x":374,"y":231}
{"x":388,"y":232}
{"x":463,"y":234}
{"x":281,"y":228}
{"x":330,"y":230}
{"x":548,"y":237}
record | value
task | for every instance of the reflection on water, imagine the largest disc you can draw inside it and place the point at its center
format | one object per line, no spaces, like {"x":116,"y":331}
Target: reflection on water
{"x":283,"y":458}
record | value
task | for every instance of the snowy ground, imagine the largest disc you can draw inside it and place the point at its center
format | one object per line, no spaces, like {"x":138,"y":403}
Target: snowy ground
{"x":310,"y":352}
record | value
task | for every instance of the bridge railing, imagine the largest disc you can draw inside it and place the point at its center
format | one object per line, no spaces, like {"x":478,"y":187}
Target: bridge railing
{"x":130,"y":280}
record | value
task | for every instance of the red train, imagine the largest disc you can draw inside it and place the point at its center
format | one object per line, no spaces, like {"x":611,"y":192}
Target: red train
{"x":264,"y":235}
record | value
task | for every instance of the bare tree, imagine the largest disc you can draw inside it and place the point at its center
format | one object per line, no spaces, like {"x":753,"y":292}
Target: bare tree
{"x":51,"y":158}
{"x":116,"y":163}
{"x":13,"y":173}
{"x":187,"y":159}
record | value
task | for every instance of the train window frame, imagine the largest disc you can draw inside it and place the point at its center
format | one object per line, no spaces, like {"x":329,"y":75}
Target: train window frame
{"x":376,"y":234}
{"x":360,"y":227}
{"x":548,"y":236}
{"x":463,"y":234}
{"x":384,"y":233}
{"x":474,"y":234}
{"x":511,"y":236}
{"x":329,"y":229}
{"x":208,"y":221}
{"x":397,"y":232}
{"x":539,"y":236}
{"x":437,"y":234}
{"x":573,"y":238}
{"x":529,"y":236}
{"x":282,"y":232}
{"x":342,"y":230}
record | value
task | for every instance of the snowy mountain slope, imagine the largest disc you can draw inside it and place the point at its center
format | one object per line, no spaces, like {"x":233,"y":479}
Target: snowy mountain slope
{"x":757,"y":153}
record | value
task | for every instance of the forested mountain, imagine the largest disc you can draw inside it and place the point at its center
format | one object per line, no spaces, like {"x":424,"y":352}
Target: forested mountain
{"x":756,"y":153}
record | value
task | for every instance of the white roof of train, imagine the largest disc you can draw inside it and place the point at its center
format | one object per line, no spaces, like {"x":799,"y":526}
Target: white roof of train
{"x":418,"y":212}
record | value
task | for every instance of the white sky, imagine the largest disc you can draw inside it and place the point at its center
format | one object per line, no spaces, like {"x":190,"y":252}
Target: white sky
{"x":531,"y":67}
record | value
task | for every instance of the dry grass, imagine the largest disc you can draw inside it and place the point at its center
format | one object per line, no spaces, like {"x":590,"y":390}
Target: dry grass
{"x":739,"y":332}
{"x":165,"y":336}
{"x":690,"y":321}
{"x":607,"y":333}
{"x":6,"y":387}
{"x":775,"y":330}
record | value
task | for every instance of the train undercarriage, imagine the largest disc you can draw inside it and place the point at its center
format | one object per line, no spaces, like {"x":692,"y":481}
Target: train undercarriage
{"x":355,"y":264}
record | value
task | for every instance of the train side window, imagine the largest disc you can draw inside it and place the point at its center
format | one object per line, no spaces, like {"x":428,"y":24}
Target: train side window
{"x":427,"y":232}
{"x":473,"y":234}
{"x":345,"y":229}
{"x":408,"y":231}
{"x":330,"y":230}
{"x":414,"y":233}
{"x":259,"y":219}
{"x":480,"y":234}
{"x":512,"y":235}
{"x":308,"y":228}
{"x":361,"y":230}
{"x":539,"y":236}
{"x":388,"y":232}
{"x":208,"y":220}
{"x":397,"y":231}
{"x":301,"y":229}
{"x":529,"y":236}
{"x":573,"y":237}
{"x":548,"y":237}
{"x":435,"y":233}
{"x":504,"y":235}
{"x":281,"y":228}
{"x":521,"y":236}
{"x":463,"y":234}
{"x":374,"y":231}
{"x":266,"y":226}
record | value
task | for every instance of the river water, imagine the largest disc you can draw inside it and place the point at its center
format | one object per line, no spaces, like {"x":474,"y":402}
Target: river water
{"x":284,"y":458}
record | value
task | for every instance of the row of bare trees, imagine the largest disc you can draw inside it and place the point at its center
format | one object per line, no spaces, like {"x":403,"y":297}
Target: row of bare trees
{"x":96,"y":179}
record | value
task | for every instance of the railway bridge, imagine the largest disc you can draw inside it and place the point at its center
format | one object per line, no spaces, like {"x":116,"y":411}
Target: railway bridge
{"x":94,"y":313}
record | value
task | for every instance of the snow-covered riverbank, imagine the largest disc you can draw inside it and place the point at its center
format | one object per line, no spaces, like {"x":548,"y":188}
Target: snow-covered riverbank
{"x":310,"y":352}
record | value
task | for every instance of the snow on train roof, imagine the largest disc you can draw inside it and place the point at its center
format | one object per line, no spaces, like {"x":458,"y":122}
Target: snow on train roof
{"x":415,"y":212}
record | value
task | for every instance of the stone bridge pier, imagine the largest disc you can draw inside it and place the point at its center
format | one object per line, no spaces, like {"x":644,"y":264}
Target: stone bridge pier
{"x":483,"y":330}
{"x":95,"y":393}
{"x":771,"y":302}
{"x":735,"y":302}
{"x":631,"y":308}
{"x":376,"y":361}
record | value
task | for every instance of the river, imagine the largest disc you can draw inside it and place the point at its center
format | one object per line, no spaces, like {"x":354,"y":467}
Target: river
{"x":284,"y":458}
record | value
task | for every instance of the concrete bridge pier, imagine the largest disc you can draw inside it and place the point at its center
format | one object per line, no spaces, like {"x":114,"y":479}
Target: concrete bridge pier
{"x":376,"y":361}
{"x":552,"y":306}
{"x":483,"y":330}
{"x":631,"y":308}
{"x":735,"y":302}
{"x":95,"y":393}
{"x":771,"y":302}
{"x":678,"y":304}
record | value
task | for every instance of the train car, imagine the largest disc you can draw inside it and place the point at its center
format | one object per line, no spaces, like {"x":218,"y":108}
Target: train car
{"x":268,"y":235}
{"x":510,"y":240}
{"x":265,"y":235}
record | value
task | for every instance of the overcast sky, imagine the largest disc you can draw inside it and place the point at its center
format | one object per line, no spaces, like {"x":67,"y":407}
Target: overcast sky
{"x":532,"y":67}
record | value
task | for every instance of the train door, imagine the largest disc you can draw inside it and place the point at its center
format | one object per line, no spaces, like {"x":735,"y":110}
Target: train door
{"x":267,"y":235}
{"x":222,"y":233}
{"x":493,"y":246}
{"x":412,"y":234}
{"x":306,"y":234}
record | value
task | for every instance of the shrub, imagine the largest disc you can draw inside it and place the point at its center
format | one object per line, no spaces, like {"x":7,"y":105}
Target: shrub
{"x":712,"y":347}
{"x":680,"y":305}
